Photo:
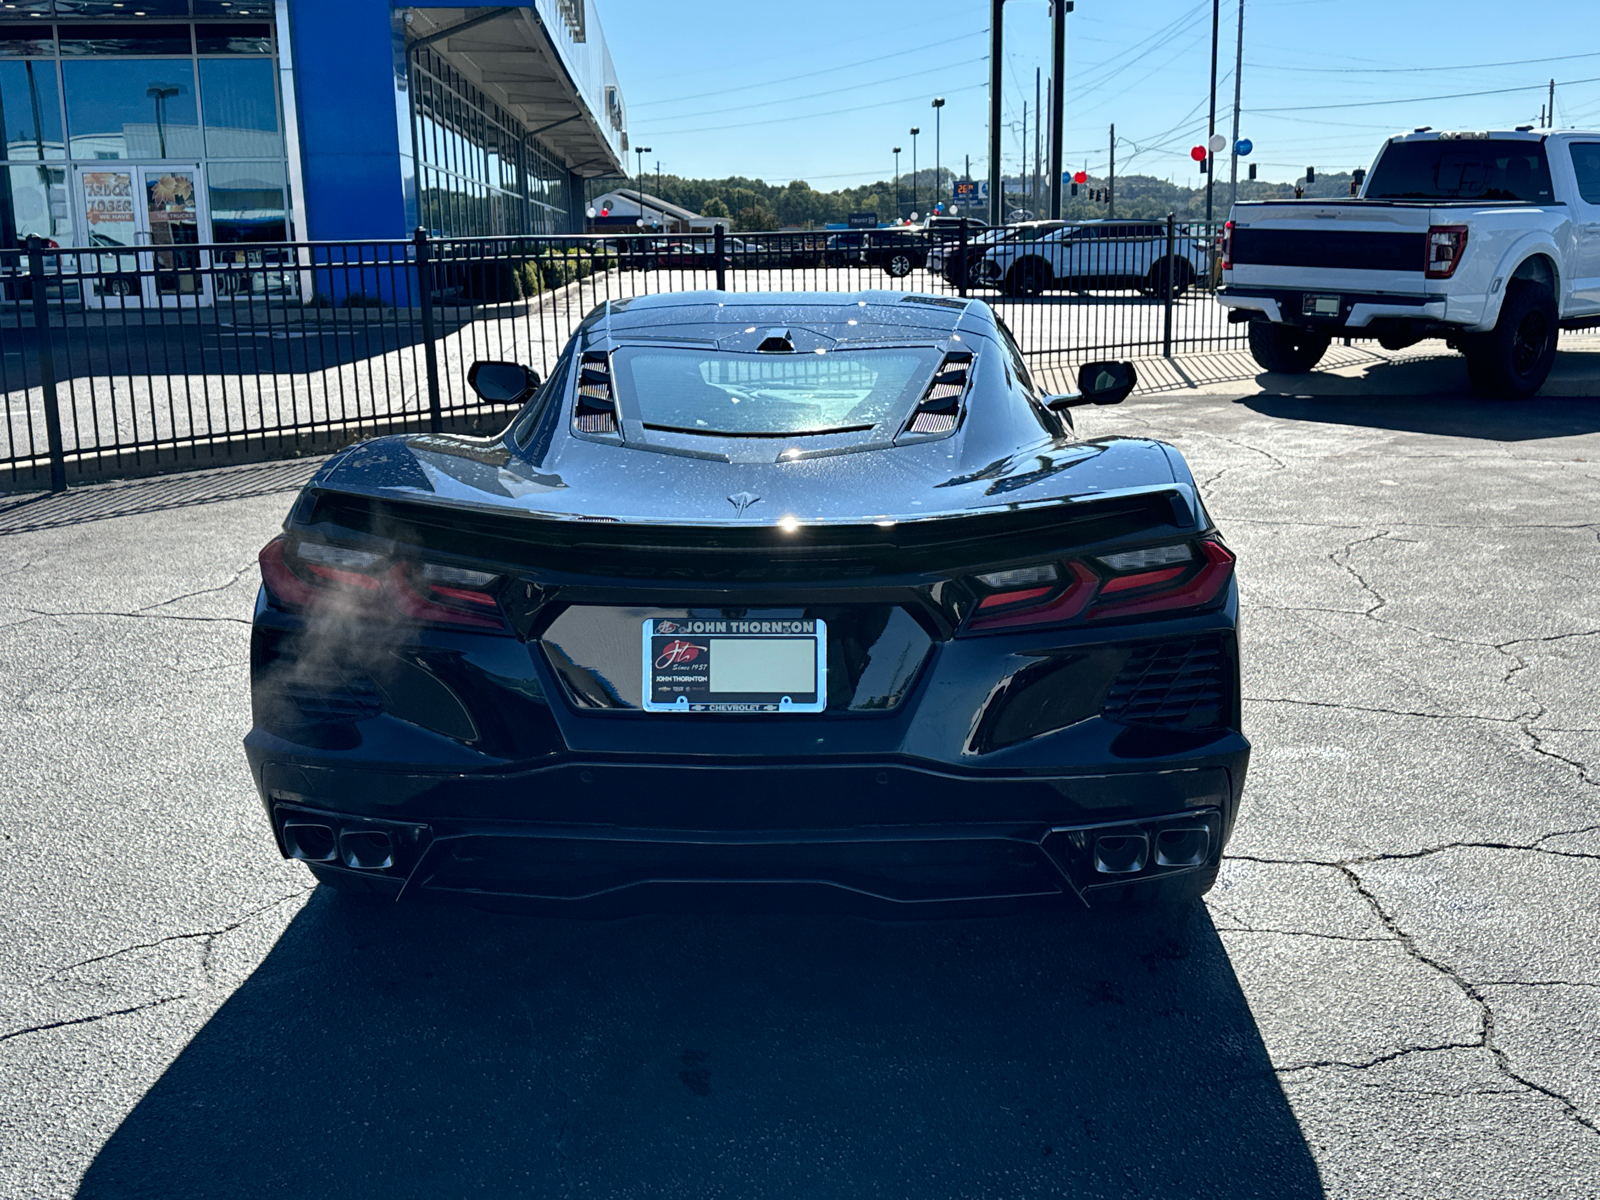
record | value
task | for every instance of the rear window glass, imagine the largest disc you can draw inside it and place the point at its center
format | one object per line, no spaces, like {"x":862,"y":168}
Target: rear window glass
{"x":753,"y":395}
{"x":1451,"y":169}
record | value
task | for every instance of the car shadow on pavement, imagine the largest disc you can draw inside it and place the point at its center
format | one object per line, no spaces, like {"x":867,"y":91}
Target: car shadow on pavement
{"x":1448,"y":416}
{"x":384,"y":1052}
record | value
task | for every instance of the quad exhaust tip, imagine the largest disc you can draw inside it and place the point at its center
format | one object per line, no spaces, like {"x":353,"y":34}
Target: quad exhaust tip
{"x":1183,"y":846}
{"x":359,"y":849}
{"x":1121,"y":853}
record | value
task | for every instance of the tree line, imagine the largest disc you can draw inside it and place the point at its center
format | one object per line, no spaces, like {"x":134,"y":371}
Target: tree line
{"x":753,"y":204}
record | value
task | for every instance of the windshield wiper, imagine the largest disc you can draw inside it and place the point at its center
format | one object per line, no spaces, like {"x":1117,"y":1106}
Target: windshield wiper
{"x":781,"y":433}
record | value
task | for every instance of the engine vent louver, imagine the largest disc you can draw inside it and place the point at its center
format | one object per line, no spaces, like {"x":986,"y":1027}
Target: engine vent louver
{"x":940,"y":408}
{"x":1174,"y":685}
{"x":597,"y":399}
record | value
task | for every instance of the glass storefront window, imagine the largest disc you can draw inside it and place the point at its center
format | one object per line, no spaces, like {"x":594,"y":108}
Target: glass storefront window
{"x":233,"y":39}
{"x":30,"y":111}
{"x":33,"y":200}
{"x":247,"y":202}
{"x":125,"y":39}
{"x":27,"y":41}
{"x":241,"y":108}
{"x":132,"y":109}
{"x":122,"y":8}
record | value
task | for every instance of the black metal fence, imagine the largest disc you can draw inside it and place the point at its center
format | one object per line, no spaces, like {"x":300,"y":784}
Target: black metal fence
{"x":117,"y":360}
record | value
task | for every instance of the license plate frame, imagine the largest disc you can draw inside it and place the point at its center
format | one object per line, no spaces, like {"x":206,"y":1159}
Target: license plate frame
{"x":1321,"y":304}
{"x":683,"y":657}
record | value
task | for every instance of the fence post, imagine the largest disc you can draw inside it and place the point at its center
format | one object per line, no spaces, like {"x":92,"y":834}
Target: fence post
{"x":429,"y":350}
{"x":961,"y":261}
{"x":47,"y":364}
{"x":1168,"y":271}
{"x":722,"y":266}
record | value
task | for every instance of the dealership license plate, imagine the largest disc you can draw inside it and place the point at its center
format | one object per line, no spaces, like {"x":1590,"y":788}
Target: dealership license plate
{"x":735,"y":666}
{"x":1319,"y":306}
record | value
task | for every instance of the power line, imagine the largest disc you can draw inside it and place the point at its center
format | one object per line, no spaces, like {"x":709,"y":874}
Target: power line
{"x":1535,"y":87}
{"x":1517,"y":62}
{"x":865,"y":62}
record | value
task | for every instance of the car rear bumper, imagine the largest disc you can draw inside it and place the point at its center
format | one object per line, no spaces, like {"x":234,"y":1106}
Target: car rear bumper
{"x":1359,"y":311}
{"x":885,"y":838}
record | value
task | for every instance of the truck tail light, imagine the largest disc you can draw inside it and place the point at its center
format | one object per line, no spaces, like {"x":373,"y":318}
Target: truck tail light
{"x":1446,"y":245}
{"x":1227,"y":246}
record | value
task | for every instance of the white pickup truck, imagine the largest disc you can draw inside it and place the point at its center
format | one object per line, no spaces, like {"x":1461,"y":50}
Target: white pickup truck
{"x":1488,"y":240}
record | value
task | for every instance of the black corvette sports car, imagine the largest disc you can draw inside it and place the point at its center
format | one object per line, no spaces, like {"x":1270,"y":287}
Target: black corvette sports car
{"x":798,"y":596}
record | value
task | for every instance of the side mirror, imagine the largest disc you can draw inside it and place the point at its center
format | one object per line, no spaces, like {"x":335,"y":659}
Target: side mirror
{"x":1099,"y":383}
{"x":502,"y":382}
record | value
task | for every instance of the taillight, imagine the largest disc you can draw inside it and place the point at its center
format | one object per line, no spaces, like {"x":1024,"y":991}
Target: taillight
{"x":1227,"y":246}
{"x":1128,"y":584}
{"x":313,"y":575}
{"x":1446,"y":245}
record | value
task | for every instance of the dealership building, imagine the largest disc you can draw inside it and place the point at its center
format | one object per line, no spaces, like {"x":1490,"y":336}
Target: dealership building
{"x":151,"y":122}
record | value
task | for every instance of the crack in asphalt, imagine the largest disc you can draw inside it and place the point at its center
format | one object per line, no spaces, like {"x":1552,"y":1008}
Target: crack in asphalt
{"x":1486,"y":1018}
{"x":116,"y":1012}
{"x":208,"y":934}
{"x":1373,"y":708}
{"x":40,"y":612}
{"x":237,"y":575}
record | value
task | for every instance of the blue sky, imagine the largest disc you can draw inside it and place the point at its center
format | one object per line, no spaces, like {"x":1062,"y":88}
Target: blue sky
{"x":824,"y":91}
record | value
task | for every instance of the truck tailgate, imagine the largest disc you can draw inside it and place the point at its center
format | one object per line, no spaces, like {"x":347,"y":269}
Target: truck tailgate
{"x":1343,"y":246}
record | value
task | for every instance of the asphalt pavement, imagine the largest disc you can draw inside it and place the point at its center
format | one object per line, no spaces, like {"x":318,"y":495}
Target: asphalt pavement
{"x":1392,"y":992}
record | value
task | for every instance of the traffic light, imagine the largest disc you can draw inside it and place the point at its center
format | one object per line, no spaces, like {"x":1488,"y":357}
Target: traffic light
{"x":1252,"y":170}
{"x":1311,"y":174}
{"x":1074,"y":189}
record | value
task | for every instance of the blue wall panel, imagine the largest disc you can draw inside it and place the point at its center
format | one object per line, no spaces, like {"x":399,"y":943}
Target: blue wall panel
{"x":346,"y":62}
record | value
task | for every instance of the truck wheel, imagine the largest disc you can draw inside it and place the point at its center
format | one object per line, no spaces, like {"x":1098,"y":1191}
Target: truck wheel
{"x":1286,"y":349}
{"x":1512,"y":360}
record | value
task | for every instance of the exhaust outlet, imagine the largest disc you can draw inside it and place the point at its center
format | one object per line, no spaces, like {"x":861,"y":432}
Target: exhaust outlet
{"x":1184,"y":846}
{"x":309,"y":843}
{"x":1120,"y":853}
{"x":366,"y":849}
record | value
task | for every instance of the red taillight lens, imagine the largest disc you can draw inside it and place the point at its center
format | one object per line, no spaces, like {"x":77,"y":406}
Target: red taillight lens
{"x":1227,"y":246}
{"x":1084,"y":593}
{"x":391,"y":589}
{"x":1446,"y":245}
{"x":1149,"y":591}
{"x":1067,"y":602}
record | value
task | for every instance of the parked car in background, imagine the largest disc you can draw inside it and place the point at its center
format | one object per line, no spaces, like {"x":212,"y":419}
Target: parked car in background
{"x":1490,"y":241}
{"x":898,"y":251}
{"x":1039,"y":256}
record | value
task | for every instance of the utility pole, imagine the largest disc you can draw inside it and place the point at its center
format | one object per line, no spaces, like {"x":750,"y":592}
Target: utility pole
{"x":1552,"y":104}
{"x":1038,"y":116}
{"x":1022,"y":175}
{"x":1238,"y":82}
{"x":1111,"y":184}
{"x":1211,"y":127}
{"x":1058,"y":82}
{"x":914,"y":132}
{"x":996,"y":41}
{"x":899,"y":209}
{"x":638,"y":176}
{"x":938,"y":170}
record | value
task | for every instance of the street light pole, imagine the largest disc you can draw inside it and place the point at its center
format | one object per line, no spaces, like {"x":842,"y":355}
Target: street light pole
{"x":161,"y":93}
{"x":660,"y":197}
{"x":898,"y":207}
{"x":996,"y":41}
{"x":1058,"y":82}
{"x":938,"y":112}
{"x":638,"y":176}
{"x":1238,"y":75}
{"x":914,"y":132}
{"x":1211,"y":128}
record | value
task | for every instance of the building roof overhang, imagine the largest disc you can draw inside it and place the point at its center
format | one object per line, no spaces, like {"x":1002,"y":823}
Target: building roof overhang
{"x":548,"y":70}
